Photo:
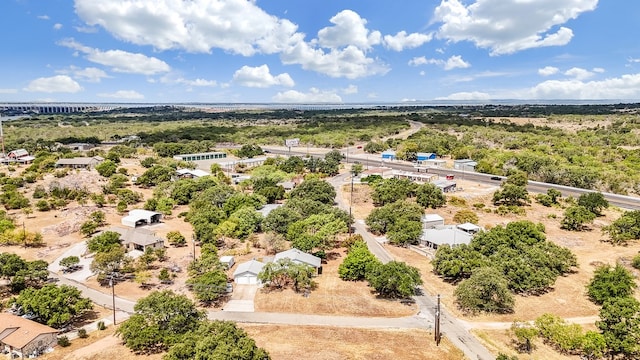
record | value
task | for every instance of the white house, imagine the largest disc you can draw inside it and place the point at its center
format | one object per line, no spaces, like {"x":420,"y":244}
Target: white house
{"x":247,"y":273}
{"x":452,"y":235}
{"x":139,"y":217}
{"x":79,"y":162}
{"x":300,"y":257}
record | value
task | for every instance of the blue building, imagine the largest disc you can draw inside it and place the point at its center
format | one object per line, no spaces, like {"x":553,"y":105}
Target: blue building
{"x":388,"y":155}
{"x":426,"y":156}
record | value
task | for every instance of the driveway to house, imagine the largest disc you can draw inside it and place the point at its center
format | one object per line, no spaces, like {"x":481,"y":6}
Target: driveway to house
{"x":79,"y":250}
{"x":242,"y":298}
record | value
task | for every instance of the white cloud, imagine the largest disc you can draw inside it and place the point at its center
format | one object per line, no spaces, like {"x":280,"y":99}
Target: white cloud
{"x":548,"y":71}
{"x":579,"y":73}
{"x":240,"y":27}
{"x":507,"y":27}
{"x":454,"y":62}
{"x":90,"y":74}
{"x":236,"y":26}
{"x":417,"y":61}
{"x":351,"y":89}
{"x":86,"y":29}
{"x":54,"y":84}
{"x":402,"y":41}
{"x":313,"y":96}
{"x":626,"y":87}
{"x":349,"y":29}
{"x":57,"y":26}
{"x":120,"y":61}
{"x":350,"y":62}
{"x":422,"y":73}
{"x":123,"y":94}
{"x":198,"y":82}
{"x":633,"y":60}
{"x":43,"y":17}
{"x":474,"y":95}
{"x":8,"y":91}
{"x":260,"y":77}
{"x":598,"y":70}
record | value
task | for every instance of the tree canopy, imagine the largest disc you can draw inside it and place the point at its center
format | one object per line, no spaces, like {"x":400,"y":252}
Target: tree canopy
{"x":609,"y":282}
{"x":53,"y":305}
{"x":625,"y":228}
{"x":487,"y":290}
{"x":394,"y":279}
{"x":160,"y":320}
{"x":519,"y":251}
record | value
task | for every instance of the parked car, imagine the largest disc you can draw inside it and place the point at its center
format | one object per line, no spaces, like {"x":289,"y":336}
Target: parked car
{"x":497,"y":178}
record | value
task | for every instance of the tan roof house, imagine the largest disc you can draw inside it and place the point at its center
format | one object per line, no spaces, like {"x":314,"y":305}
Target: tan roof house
{"x":25,"y":338}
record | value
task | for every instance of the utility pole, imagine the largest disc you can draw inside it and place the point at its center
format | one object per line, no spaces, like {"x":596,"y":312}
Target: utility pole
{"x":112,"y":283}
{"x":437,"y":323}
{"x":351,"y":202}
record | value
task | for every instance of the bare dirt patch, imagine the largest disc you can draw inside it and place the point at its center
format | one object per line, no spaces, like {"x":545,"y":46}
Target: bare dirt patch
{"x":99,"y":345}
{"x":333,"y":296}
{"x":305,"y":342}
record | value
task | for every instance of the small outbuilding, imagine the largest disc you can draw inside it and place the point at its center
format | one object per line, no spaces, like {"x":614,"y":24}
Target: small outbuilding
{"x":138,"y":217}
{"x":247,"y":273}
{"x":465,"y":165}
{"x":227,"y":261}
{"x":430,"y":221}
{"x":426,"y":156}
{"x":388,"y":155}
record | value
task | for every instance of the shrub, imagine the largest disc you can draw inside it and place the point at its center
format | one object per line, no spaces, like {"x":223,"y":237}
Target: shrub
{"x":457,"y":201}
{"x":64,"y":341}
{"x":636,"y":262}
{"x":101,"y":325}
{"x":82,"y":333}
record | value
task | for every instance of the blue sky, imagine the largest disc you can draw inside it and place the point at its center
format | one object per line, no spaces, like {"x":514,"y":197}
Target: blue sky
{"x":346,"y":51}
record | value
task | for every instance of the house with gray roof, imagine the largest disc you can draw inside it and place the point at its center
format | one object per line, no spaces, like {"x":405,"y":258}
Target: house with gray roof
{"x":247,"y":273}
{"x":79,"y":162}
{"x":138,"y":239}
{"x":300,"y":257}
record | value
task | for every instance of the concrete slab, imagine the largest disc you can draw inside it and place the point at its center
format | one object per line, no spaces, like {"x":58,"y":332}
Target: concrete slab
{"x":242,"y":298}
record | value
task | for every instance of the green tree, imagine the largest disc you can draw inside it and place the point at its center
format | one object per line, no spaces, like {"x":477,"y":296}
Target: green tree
{"x":107,"y":168}
{"x":69,"y":262}
{"x":285,"y":272}
{"x":249,"y":151}
{"x":620,"y":326}
{"x":176,"y":238}
{"x":609,"y":282}
{"x":355,"y":264}
{"x":394,"y":279}
{"x":512,"y":195}
{"x":314,"y":189}
{"x":593,"y":345}
{"x":486,"y":290}
{"x":391,"y":190}
{"x":279,"y":219}
{"x":216,"y":340}
{"x":316,"y":232}
{"x":53,"y":305}
{"x":159,"y":321}
{"x":594,"y":202}
{"x":625,"y":228}
{"x":209,"y":287}
{"x":525,"y":333}
{"x":466,"y":216}
{"x":405,"y":232}
{"x":430,"y":196}
{"x":575,"y":218}
{"x":104,"y":242}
